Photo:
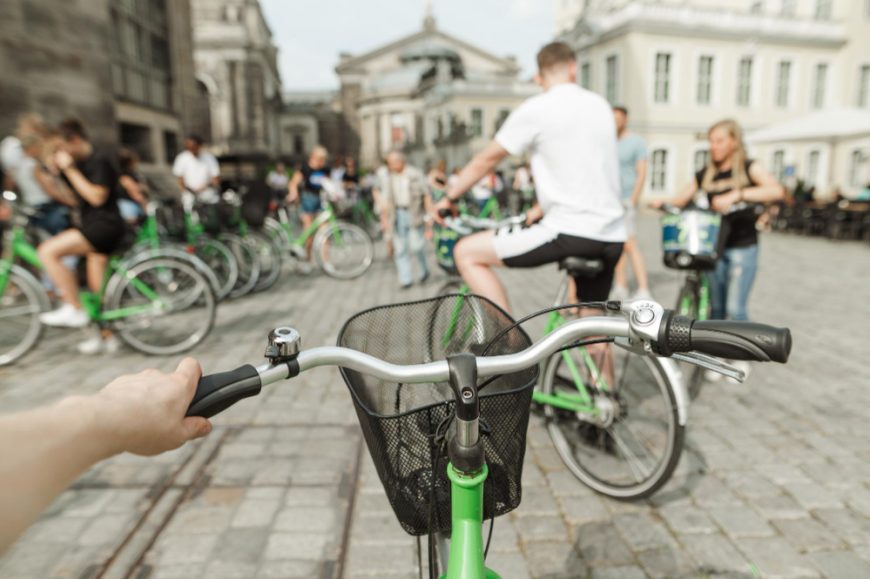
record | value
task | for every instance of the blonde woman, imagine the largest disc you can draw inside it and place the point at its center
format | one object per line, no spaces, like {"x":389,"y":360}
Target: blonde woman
{"x":734,"y":186}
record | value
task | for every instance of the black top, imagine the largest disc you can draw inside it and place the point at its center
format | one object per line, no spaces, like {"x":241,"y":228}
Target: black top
{"x":738,"y":228}
{"x":99,"y":169}
{"x":122,"y":191}
{"x":350,"y":177}
{"x":312,"y":179}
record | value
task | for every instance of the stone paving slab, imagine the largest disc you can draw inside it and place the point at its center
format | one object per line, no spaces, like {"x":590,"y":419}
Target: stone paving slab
{"x":774,"y":480}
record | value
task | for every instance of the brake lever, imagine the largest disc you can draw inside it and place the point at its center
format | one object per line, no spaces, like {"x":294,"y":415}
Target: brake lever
{"x":711,"y":363}
{"x":696,"y":358}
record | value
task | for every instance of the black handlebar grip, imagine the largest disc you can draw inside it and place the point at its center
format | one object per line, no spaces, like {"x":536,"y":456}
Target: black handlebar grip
{"x":741,"y":340}
{"x":217,"y":392}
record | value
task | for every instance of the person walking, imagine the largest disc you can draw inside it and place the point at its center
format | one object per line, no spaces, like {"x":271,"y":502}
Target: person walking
{"x":306,"y":187}
{"x":632,"y":176}
{"x":277,"y":181}
{"x":404,"y":201}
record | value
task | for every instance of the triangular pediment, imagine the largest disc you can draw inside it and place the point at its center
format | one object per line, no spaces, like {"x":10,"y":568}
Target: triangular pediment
{"x":430,"y":40}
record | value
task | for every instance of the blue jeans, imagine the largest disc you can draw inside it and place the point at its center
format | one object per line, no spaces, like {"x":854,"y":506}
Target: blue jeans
{"x":407,"y":240}
{"x":731,"y":282}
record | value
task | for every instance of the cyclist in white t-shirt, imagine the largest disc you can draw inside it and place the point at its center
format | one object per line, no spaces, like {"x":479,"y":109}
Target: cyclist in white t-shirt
{"x":570,"y":136}
{"x":197,"y":170}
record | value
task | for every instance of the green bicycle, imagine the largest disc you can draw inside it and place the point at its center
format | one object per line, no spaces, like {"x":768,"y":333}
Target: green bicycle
{"x":690,"y":243}
{"x":617,"y":419}
{"x":342,"y":250}
{"x":158,"y":305}
{"x":447,"y":430}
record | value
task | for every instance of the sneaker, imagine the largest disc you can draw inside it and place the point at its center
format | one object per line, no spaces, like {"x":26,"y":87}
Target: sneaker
{"x":619,"y":293}
{"x":642,"y":294}
{"x":66,"y":316}
{"x":425,"y":278}
{"x":98,"y":345}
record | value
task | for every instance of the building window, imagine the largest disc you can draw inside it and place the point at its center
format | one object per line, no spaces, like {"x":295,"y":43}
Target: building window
{"x":170,"y":146}
{"x":702,"y":157}
{"x":475,"y":126}
{"x":141,"y":67}
{"x":298,"y":145}
{"x":757,"y":7}
{"x":137,"y":138}
{"x":659,"y":172}
{"x":864,"y":86}
{"x":586,"y":75}
{"x":857,"y":158}
{"x":705,"y":80}
{"x":812,"y":174}
{"x":777,"y":165}
{"x":744,"y":81}
{"x":662,"y":92}
{"x":612,"y":79}
{"x":823,"y":9}
{"x":789,"y":7}
{"x":821,"y":82}
{"x":502,"y":117}
{"x":783,"y":77}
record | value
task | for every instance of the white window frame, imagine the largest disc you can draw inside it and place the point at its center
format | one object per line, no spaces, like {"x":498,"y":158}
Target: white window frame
{"x":618,"y":78}
{"x":830,"y":14}
{"x":822,"y":171}
{"x":667,"y":186}
{"x":855,"y":172}
{"x":863,"y":89}
{"x":792,"y":82}
{"x":779,"y":175}
{"x":715,"y":78}
{"x":698,"y":148}
{"x":480,"y":128}
{"x":788,"y":4}
{"x":752,"y":81}
{"x":827,"y":87}
{"x":587,"y":62}
{"x":674,"y":77}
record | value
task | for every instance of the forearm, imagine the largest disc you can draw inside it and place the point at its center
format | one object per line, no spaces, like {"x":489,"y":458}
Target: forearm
{"x":91,"y":193}
{"x":54,"y":189}
{"x":43,"y":452}
{"x":763,"y":193}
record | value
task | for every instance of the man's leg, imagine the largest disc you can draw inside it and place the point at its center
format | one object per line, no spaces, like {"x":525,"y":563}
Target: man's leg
{"x":69,"y":242}
{"x":417,"y":242}
{"x":402,"y":249}
{"x":475,"y":257}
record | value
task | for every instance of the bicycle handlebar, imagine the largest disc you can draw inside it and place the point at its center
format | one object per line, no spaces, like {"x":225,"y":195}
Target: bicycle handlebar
{"x":724,"y":338}
{"x":664,"y":332}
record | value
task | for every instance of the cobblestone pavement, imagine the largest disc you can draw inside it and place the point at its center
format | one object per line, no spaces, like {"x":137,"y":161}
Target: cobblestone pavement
{"x":775,"y":480}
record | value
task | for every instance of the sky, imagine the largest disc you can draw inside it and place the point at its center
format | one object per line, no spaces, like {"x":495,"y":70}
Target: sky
{"x":311,"y":33}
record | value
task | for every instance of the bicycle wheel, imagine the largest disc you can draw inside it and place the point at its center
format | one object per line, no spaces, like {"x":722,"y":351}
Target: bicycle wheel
{"x":170,"y":307}
{"x":624,"y":441}
{"x":249,"y":264}
{"x":21,"y":302}
{"x":273,"y":229}
{"x":688,"y":302}
{"x":222,"y":262}
{"x":452,"y":286}
{"x":343,"y":250}
{"x":269,"y":255}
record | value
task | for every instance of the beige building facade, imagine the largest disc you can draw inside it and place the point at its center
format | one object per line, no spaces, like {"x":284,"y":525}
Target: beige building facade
{"x":680,"y":65}
{"x":430,"y":94}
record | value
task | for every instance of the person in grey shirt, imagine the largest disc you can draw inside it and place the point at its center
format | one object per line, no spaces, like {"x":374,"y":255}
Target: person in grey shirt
{"x":632,"y":176}
{"x":403,"y":201}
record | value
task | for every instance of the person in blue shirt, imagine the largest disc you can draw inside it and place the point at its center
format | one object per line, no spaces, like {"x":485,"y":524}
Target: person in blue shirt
{"x":632,"y":175}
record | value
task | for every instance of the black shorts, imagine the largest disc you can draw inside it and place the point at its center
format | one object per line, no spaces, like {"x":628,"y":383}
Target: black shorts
{"x":538,"y":245}
{"x":106,"y":235}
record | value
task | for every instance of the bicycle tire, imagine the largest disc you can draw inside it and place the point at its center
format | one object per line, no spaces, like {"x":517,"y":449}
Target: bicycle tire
{"x":30,"y":301}
{"x":339,"y":236}
{"x":175,"y":251}
{"x":218,"y":256}
{"x":169,"y":278}
{"x":271,"y":264}
{"x":575,"y":427}
{"x":249,"y":265}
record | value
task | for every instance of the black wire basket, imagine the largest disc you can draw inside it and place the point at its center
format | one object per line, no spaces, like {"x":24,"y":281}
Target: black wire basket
{"x":403,"y":424}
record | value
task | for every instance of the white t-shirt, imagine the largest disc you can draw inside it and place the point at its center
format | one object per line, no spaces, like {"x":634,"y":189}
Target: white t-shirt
{"x":11,"y":154}
{"x":28,"y":186}
{"x":571,"y":137}
{"x":197,"y":171}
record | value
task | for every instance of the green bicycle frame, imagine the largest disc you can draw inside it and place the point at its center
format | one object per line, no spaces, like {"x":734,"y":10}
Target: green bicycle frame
{"x":325,"y":216}
{"x":466,"y":512}
{"x":491,"y":209}
{"x":19,"y":248}
{"x":701,"y":308}
{"x":579,"y":401}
